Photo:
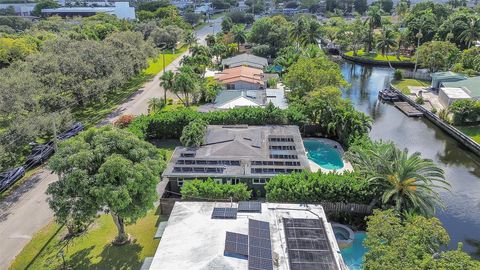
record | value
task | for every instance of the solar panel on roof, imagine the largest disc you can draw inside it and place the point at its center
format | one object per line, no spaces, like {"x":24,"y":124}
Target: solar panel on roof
{"x":259,"y":245}
{"x":247,"y":206}
{"x":236,"y":244}
{"x":224,"y":213}
{"x":308,"y":245}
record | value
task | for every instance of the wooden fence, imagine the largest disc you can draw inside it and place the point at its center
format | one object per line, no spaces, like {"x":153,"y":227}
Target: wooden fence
{"x":417,"y":75}
{"x":340,"y":207}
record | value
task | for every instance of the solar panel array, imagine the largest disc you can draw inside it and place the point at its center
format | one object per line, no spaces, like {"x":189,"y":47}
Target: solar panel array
{"x":224,"y":213}
{"x":259,"y":245}
{"x":248,"y":206}
{"x":308,"y":245}
{"x":236,"y":244}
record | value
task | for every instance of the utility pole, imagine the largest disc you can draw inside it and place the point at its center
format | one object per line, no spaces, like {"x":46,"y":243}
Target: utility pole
{"x":55,"y":139}
{"x":164,"y":90}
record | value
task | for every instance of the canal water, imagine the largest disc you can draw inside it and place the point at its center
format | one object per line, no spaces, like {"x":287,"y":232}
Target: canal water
{"x":461,"y":217}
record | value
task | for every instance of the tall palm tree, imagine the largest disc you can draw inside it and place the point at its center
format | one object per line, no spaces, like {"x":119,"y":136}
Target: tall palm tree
{"x":155,"y":105}
{"x":239,"y":35}
{"x":166,"y":81}
{"x":297,"y":30}
{"x":386,"y":42}
{"x":408,"y":182}
{"x":312,"y":33}
{"x":190,"y":38}
{"x":472,"y":32}
{"x":402,"y":41}
{"x":200,"y":50}
{"x":373,"y":21}
{"x":185,"y":83}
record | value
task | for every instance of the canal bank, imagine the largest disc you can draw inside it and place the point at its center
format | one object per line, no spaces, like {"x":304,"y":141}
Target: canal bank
{"x":461,"y":217}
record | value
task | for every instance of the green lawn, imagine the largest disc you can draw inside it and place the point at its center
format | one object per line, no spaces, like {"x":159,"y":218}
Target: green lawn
{"x":92,"y":250}
{"x":156,"y":65}
{"x":402,"y":85}
{"x":378,"y":56}
{"x":218,"y":15}
{"x":472,"y":132}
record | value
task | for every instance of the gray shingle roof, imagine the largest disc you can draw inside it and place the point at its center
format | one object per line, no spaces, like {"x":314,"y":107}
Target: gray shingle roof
{"x":245,"y":60}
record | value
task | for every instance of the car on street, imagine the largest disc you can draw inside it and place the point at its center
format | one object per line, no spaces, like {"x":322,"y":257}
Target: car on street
{"x":8,"y":178}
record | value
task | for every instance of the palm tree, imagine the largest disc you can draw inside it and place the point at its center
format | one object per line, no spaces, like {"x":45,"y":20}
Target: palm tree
{"x":166,"y":81}
{"x":297,"y":31}
{"x":419,"y":36}
{"x":155,"y":105}
{"x":402,"y":41}
{"x":218,"y":50}
{"x":312,"y":33}
{"x":373,"y":20}
{"x":239,"y":35}
{"x":190,"y":38}
{"x":185,"y":83}
{"x":199,"y":50}
{"x":386,"y":42}
{"x":472,"y":32}
{"x":409,"y":182}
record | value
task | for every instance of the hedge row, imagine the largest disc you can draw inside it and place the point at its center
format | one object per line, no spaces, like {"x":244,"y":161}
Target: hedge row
{"x":169,"y":125}
{"x":318,"y":187}
{"x":209,"y":190}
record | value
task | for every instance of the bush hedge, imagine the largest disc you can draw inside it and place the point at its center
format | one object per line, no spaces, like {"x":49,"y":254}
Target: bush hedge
{"x":317,"y":187}
{"x":209,"y":190}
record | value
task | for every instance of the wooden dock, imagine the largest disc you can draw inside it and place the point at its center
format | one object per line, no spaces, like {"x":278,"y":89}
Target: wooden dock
{"x":408,"y":109}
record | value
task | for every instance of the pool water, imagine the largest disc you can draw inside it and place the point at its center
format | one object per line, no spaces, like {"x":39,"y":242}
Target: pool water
{"x":323,"y":155}
{"x":353,"y":256}
{"x":340,"y":233}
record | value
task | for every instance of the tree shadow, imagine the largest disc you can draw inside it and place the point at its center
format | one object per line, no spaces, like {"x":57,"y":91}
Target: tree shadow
{"x":112,"y":257}
{"x":476,"y":244}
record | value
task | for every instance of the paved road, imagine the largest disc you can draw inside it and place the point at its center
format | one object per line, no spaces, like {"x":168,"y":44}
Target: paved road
{"x":26,"y":211}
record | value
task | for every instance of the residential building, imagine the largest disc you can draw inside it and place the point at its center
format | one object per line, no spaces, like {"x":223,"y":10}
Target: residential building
{"x":440,"y":77}
{"x":470,"y":85}
{"x":121,"y":10}
{"x":448,"y":95}
{"x":247,"y":235}
{"x":245,"y":59}
{"x":239,"y":154}
{"x":242,"y":78}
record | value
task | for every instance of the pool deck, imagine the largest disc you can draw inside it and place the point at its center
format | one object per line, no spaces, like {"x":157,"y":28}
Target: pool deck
{"x":314,"y":167}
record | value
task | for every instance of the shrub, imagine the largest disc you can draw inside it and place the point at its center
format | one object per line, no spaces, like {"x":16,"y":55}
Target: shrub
{"x":306,"y":187}
{"x":465,"y":111}
{"x":419,"y":100}
{"x":169,"y":101}
{"x":193,"y":134}
{"x":434,"y":110}
{"x":198,"y":189}
{"x":124,"y":121}
{"x":272,"y":83}
{"x":398,"y":75}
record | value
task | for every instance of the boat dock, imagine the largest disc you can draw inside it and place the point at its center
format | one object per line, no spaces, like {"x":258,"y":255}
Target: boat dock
{"x":408,"y":109}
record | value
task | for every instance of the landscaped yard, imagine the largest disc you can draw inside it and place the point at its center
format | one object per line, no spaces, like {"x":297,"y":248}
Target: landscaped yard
{"x":156,"y":65}
{"x":403,"y":84}
{"x":378,"y":56}
{"x":92,"y":250}
{"x":472,"y":132}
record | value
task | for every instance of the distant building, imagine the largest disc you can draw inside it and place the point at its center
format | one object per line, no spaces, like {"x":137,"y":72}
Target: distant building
{"x":247,"y":235}
{"x":242,"y":78}
{"x":245,"y":59}
{"x":22,"y":9}
{"x":121,"y":10}
{"x":239,"y":154}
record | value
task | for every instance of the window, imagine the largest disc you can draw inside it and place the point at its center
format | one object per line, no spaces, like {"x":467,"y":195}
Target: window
{"x":180,"y":182}
{"x":259,"y":181}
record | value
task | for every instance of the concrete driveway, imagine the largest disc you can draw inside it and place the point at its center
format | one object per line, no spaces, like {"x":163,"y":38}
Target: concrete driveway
{"x":26,"y":211}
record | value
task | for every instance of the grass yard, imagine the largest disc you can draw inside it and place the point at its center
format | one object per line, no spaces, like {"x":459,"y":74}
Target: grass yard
{"x":218,"y":15}
{"x":92,"y":250}
{"x":156,"y":65}
{"x":472,"y":132}
{"x":403,"y":84}
{"x":378,"y":56}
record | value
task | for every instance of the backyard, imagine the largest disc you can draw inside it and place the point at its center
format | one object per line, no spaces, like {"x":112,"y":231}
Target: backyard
{"x":403,"y":84}
{"x":378,"y":56}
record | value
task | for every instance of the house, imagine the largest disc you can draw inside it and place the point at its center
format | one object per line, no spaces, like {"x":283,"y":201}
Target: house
{"x":448,"y":95}
{"x":239,"y":154}
{"x":121,"y":10}
{"x":470,"y":85}
{"x":245,"y":59}
{"x":242,"y":78}
{"x":247,"y":235}
{"x":440,"y":77}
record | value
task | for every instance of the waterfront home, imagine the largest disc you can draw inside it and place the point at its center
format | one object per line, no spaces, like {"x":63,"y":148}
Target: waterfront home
{"x":242,"y":78}
{"x":248,"y":60}
{"x":239,"y":154}
{"x":438,"y":78}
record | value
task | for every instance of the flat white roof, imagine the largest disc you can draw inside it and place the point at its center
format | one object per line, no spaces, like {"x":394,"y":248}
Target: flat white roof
{"x":455,"y":92}
{"x":193,"y":240}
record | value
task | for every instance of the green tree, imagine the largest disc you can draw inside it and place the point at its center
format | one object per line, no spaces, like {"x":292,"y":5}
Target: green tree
{"x":104,"y":169}
{"x":472,"y":32}
{"x":37,"y":10}
{"x":227,"y":24}
{"x":438,"y":55}
{"x":239,"y":35}
{"x":361,"y":6}
{"x":185,"y":83}
{"x":297,"y":30}
{"x":373,"y":21}
{"x":208,"y":189}
{"x":155,"y":105}
{"x":386,"y":42}
{"x":193,"y":134}
{"x":271,"y":31}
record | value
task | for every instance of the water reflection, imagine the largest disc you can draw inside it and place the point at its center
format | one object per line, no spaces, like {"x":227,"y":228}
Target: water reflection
{"x":462,"y":169}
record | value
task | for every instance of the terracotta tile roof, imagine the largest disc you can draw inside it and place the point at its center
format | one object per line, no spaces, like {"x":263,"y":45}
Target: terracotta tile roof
{"x":246,"y":74}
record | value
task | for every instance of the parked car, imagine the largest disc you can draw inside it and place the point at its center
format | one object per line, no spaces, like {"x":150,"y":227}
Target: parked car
{"x":8,"y":178}
{"x":40,"y":153}
{"x":74,"y":130}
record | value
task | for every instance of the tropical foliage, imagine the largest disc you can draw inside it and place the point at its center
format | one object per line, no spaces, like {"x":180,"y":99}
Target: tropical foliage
{"x":209,"y":190}
{"x":193,"y":134}
{"x":419,"y":241}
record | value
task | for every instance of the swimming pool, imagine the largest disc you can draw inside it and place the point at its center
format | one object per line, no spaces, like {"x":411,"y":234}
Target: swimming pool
{"x":324,"y":155}
{"x":353,"y":256}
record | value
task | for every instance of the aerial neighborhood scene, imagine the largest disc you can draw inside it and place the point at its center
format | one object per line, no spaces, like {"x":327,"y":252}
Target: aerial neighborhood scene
{"x":240,"y":135}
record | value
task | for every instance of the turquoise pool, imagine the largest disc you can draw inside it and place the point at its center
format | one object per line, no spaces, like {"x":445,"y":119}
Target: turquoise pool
{"x":323,"y":154}
{"x":353,"y":256}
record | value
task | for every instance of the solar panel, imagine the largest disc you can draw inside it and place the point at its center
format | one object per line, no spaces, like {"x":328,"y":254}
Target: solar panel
{"x":224,"y":213}
{"x":259,"y":245}
{"x":308,"y":245}
{"x":246,"y":206}
{"x":236,"y":244}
